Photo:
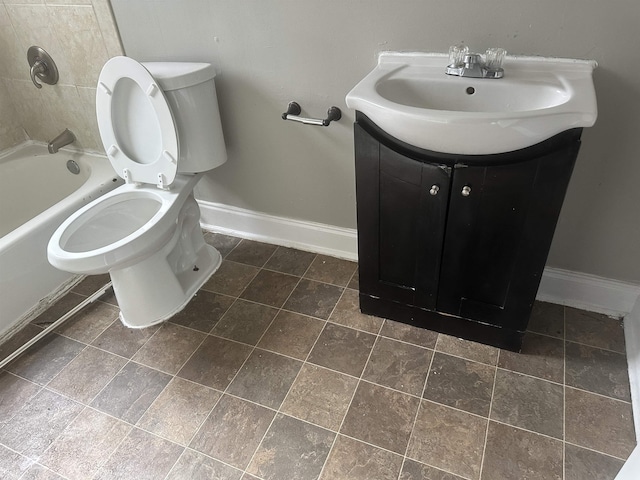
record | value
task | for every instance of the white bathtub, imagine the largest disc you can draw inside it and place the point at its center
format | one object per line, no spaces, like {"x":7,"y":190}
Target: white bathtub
{"x":37,"y":193}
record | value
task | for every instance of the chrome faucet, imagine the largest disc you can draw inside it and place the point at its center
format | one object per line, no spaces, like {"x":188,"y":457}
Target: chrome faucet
{"x":65,"y":138}
{"x":465,"y":64}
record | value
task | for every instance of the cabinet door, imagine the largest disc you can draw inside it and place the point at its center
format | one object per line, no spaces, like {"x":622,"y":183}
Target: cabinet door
{"x":500,"y":226}
{"x":401,"y":216}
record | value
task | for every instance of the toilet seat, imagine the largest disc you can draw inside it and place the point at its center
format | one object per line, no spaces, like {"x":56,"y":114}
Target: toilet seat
{"x":136,"y":125}
{"x":118,"y":227}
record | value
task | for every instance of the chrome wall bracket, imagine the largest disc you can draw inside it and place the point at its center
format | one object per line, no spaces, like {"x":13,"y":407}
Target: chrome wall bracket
{"x":42,"y":67}
{"x":293,"y":111}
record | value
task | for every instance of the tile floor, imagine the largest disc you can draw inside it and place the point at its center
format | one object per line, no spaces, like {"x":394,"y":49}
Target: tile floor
{"x":272,"y":373}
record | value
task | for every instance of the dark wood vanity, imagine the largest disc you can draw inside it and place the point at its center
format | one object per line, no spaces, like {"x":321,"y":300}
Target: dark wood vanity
{"x":457,"y":243}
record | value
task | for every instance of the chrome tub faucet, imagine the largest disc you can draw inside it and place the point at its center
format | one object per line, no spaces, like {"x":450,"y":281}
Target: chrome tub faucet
{"x":65,"y":138}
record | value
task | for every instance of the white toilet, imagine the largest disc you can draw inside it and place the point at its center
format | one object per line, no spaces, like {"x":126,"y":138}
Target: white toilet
{"x":160,"y":126}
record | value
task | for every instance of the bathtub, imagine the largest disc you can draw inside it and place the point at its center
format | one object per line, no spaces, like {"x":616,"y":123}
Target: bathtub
{"x":37,"y":194}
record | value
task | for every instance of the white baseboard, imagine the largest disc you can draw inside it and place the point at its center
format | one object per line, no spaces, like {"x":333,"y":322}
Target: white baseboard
{"x":287,"y":232}
{"x":574,"y":289}
{"x":587,"y":292}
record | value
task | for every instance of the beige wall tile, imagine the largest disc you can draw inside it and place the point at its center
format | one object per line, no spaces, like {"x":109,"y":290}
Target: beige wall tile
{"x":34,"y":27}
{"x":108,"y":27}
{"x":79,"y":37}
{"x":11,"y":132}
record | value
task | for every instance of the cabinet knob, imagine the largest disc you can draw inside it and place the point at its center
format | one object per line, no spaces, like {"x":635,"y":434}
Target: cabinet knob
{"x":434,"y":189}
{"x":466,"y":191}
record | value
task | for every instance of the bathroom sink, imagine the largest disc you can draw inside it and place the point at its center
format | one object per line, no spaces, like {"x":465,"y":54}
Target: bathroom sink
{"x":409,"y":96}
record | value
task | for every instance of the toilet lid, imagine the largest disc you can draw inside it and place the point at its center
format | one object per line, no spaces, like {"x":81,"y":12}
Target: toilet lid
{"x":136,"y":125}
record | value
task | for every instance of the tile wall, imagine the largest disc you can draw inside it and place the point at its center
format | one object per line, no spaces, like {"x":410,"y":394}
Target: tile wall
{"x":80,"y":35}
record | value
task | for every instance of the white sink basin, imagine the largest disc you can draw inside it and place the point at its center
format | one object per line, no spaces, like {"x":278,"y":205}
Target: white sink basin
{"x":409,"y":96}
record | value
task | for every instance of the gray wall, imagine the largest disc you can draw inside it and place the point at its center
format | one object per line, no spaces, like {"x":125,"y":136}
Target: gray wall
{"x":269,"y":52}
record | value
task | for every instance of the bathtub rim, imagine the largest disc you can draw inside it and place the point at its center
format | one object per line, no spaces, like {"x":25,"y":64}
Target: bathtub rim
{"x":93,"y":183}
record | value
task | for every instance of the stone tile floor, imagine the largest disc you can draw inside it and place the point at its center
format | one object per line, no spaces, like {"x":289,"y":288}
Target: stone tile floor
{"x":271,"y":372}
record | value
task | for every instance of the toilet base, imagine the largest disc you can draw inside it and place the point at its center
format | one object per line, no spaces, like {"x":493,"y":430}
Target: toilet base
{"x":153,"y":305}
{"x":156,"y":288}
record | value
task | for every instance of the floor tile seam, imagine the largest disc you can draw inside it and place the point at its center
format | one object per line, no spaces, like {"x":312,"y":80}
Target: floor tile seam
{"x":550,"y":437}
{"x":353,"y":395}
{"x":455,"y":408}
{"x":492,"y":365}
{"x":254,"y":277}
{"x":624,"y":354}
{"x":528,"y":375}
{"x":415,"y":417}
{"x":278,"y":410}
{"x":599,"y":395}
{"x":594,"y":450}
{"x":103,"y":387}
{"x":329,"y":283}
{"x":42,"y":385}
{"x":91,"y":407}
{"x":234,"y":247}
{"x":221,"y":315}
{"x":564,"y":392}
{"x":11,"y":449}
{"x":206,"y":417}
{"x":205,"y":335}
{"x":350,"y":326}
{"x":133,"y":427}
{"x":225,"y":392}
{"x":372,"y":445}
{"x":404,"y":341}
{"x":187,"y":448}
{"x":94,"y":338}
{"x":543,"y":334}
{"x":4,"y":370}
{"x":102,"y":461}
{"x":60,"y":434}
{"x":344,"y":287}
{"x":281,"y":308}
{"x":112,"y":353}
{"x":486,"y":434}
{"x":48,"y":469}
{"x":203,"y":287}
{"x":356,"y":272}
{"x":441,"y":469}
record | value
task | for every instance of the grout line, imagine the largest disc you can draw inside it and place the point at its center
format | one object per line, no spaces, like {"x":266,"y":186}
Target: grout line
{"x":564,"y":339}
{"x":353,"y":395}
{"x":486,"y":436}
{"x":415,"y":417}
{"x":624,"y":354}
{"x":564,"y":392}
{"x":297,"y":374}
{"x":595,"y":451}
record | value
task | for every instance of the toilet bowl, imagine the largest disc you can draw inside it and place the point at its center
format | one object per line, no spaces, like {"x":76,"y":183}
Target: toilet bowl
{"x":160,"y":126}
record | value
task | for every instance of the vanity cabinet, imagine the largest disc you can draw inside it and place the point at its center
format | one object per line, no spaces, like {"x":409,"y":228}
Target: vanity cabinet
{"x":457,"y":243}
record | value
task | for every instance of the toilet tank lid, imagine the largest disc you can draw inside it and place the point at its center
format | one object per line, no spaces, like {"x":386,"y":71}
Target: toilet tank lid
{"x":175,"y":75}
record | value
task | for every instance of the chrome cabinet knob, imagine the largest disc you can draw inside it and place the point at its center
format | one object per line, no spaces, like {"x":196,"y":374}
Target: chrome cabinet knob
{"x":434,"y":189}
{"x":466,"y":191}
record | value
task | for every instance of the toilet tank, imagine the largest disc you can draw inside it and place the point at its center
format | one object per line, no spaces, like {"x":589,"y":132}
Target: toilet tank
{"x":191,"y":93}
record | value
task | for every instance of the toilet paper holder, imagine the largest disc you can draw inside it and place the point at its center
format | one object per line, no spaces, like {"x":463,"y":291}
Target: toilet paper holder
{"x":293,"y":111}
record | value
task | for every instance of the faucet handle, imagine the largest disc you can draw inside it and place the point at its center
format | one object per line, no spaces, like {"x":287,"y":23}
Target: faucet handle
{"x":494,"y":58}
{"x":457,"y":54}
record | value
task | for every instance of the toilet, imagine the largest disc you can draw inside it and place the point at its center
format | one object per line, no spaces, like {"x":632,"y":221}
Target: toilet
{"x":160,"y":126}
